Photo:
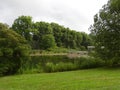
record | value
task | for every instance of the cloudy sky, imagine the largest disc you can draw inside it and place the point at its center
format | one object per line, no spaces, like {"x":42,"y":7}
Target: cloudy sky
{"x":75,"y":14}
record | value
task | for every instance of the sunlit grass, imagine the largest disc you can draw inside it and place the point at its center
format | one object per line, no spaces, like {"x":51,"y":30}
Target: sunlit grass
{"x":91,"y":79}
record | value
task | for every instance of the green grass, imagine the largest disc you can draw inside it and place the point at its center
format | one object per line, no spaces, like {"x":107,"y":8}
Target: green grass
{"x":91,"y":79}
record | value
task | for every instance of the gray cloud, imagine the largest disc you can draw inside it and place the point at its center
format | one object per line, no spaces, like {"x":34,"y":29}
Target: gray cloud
{"x":75,"y":14}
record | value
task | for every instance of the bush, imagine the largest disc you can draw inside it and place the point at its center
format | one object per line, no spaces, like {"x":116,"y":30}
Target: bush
{"x":66,"y":66}
{"x":8,"y":65}
{"x":88,"y":62}
{"x":59,"y":67}
{"x":13,"y":51}
{"x":49,"y":67}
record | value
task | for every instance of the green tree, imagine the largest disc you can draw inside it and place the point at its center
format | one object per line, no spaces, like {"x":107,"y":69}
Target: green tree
{"x":3,"y":26}
{"x":23,"y":25}
{"x":106,"y":29}
{"x":13,"y":51}
{"x":57,"y":32}
{"x":48,"y":41}
{"x":86,"y":40}
{"x":44,"y":36}
{"x":68,"y":38}
{"x":78,"y":39}
{"x":43,"y":28}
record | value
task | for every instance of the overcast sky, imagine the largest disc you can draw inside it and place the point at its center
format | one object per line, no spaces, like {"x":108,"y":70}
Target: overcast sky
{"x":75,"y":14}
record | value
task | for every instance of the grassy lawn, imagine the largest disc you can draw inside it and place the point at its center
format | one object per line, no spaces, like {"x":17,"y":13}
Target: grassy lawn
{"x":91,"y":79}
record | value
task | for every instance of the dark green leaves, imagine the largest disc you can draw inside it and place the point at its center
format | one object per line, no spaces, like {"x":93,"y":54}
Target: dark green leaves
{"x":106,"y":29}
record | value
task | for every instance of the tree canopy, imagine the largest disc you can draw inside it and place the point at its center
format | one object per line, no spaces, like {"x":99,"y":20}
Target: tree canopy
{"x":23,"y":26}
{"x":38,"y":34}
{"x":106,"y":29}
{"x":13,"y":51}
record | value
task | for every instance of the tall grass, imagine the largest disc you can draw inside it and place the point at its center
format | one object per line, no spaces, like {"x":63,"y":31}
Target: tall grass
{"x":39,"y":64}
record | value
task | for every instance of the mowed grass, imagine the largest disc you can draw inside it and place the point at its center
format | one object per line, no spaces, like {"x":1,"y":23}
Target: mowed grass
{"x":91,"y":79}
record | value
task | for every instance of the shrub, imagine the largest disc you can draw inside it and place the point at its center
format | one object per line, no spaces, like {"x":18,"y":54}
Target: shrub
{"x":13,"y":51}
{"x":49,"y":67}
{"x":59,"y":67}
{"x":88,"y":62}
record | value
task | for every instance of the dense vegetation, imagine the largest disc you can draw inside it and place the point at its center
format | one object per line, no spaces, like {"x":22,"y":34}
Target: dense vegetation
{"x":43,"y":35}
{"x":16,"y":42}
{"x":59,"y":63}
{"x":13,"y":50}
{"x":106,"y":32}
{"x":49,"y":39}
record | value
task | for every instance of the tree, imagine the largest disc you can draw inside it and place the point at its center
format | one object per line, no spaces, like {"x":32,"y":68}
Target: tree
{"x":86,"y":40}
{"x":57,"y":32}
{"x":106,"y":29}
{"x":23,"y":26}
{"x":13,"y":51}
{"x":48,"y":41}
{"x":44,"y":36}
{"x":3,"y":26}
{"x":68,"y":38}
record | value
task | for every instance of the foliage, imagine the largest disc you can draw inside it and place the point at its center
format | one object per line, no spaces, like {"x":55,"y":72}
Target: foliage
{"x":44,"y":37}
{"x":63,"y":37}
{"x":3,"y":26}
{"x":60,"y":63}
{"x":13,"y":50}
{"x":86,"y":40}
{"x":68,"y":38}
{"x":106,"y":29}
{"x":23,"y":26}
{"x":48,"y":41}
{"x":86,"y":63}
{"x":59,"y":67}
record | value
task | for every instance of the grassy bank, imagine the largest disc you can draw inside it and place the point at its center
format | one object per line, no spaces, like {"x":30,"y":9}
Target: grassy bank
{"x":91,"y":79}
{"x":59,"y":63}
